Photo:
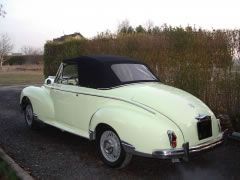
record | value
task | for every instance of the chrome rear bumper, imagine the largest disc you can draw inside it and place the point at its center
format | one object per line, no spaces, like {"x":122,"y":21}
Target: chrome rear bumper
{"x":186,"y":150}
{"x":183,"y":152}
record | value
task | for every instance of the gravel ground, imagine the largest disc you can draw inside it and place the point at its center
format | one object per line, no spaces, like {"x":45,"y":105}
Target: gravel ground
{"x":49,"y":153}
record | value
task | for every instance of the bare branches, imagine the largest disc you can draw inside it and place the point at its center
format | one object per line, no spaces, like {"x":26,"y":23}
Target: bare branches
{"x":29,"y":50}
{"x":5,"y":48}
{"x":2,"y":12}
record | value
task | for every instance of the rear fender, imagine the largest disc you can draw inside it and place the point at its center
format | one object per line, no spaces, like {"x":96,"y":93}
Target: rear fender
{"x":138,"y":128}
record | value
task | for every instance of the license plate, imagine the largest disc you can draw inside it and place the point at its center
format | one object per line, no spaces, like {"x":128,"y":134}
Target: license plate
{"x":204,"y":128}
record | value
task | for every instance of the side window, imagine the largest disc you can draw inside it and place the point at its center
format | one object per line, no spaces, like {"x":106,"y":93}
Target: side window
{"x":69,"y":75}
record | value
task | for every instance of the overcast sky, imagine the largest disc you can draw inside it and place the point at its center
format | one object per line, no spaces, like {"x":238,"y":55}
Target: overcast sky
{"x":33,"y":22}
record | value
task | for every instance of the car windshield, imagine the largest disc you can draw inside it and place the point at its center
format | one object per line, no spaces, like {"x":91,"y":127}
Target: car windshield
{"x":128,"y":73}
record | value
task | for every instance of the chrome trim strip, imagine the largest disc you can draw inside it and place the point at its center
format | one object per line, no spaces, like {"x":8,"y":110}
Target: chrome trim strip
{"x":58,"y":73}
{"x":195,"y":149}
{"x":92,"y":135}
{"x":110,"y":97}
{"x":128,"y":147}
{"x":131,"y":149}
{"x":209,"y":143}
{"x":123,"y":85}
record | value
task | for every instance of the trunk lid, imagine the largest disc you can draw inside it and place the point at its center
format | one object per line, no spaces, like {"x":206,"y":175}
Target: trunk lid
{"x":179,"y":106}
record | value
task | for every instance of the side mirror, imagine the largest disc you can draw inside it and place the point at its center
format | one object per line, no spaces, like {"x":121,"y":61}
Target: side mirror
{"x":49,"y":80}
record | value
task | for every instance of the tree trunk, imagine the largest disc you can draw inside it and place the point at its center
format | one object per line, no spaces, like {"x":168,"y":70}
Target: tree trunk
{"x":1,"y":63}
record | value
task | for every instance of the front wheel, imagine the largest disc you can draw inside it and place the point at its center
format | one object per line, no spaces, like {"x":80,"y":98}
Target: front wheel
{"x":110,"y":149}
{"x":29,"y":117}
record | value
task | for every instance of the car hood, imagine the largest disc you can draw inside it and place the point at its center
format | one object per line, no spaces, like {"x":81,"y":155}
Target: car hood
{"x":177,"y":105}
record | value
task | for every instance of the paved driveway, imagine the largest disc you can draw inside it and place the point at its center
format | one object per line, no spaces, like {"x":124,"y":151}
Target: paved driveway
{"x":51,"y":154}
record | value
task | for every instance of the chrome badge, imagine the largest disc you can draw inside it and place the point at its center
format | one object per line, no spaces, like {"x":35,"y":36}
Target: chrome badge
{"x":202,"y":117}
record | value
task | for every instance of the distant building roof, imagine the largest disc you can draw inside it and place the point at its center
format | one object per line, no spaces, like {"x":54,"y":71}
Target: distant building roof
{"x":75,"y":35}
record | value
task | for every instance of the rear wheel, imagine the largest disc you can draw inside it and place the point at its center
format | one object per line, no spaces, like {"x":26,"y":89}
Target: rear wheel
{"x":110,"y":149}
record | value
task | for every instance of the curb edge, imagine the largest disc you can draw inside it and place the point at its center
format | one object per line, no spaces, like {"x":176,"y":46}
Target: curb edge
{"x":20,"y":172}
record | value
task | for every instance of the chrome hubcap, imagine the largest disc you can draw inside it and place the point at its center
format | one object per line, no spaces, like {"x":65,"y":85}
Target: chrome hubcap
{"x":110,"y":146}
{"x":29,"y":115}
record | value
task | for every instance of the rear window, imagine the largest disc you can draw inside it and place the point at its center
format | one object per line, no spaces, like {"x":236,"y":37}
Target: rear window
{"x":133,"y":73}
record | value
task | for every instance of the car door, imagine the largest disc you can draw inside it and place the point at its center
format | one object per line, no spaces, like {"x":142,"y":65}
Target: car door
{"x":68,"y":104}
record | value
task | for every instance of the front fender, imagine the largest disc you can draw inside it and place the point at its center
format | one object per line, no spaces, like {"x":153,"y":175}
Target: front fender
{"x":143,"y":130}
{"x":41,"y":101}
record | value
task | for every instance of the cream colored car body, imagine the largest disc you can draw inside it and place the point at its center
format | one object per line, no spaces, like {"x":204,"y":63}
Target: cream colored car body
{"x":140,"y":113}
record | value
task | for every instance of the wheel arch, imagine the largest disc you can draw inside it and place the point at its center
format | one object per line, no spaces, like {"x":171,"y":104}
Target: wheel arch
{"x":23,"y":103}
{"x":109,"y":117}
{"x":40,"y":100}
{"x":102,"y":126}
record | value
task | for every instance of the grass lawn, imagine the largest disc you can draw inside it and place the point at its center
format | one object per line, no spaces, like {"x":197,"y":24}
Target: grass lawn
{"x":21,"y":77}
{"x":6,"y":173}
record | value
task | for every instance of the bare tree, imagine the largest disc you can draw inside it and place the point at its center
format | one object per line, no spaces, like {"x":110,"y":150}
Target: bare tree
{"x":149,"y":26}
{"x":28,"y":50}
{"x":5,"y":48}
{"x":2,"y":12}
{"x":124,"y":27}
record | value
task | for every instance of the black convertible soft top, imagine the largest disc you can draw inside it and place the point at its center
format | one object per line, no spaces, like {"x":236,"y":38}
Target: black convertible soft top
{"x":96,"y":71}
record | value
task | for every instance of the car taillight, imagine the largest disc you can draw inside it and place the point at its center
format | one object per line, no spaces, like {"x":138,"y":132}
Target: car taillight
{"x":172,"y":138}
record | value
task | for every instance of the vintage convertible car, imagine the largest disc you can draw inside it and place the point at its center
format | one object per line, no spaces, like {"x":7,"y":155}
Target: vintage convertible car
{"x":120,"y":104}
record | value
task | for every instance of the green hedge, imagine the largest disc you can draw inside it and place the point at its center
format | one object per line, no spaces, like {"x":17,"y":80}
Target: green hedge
{"x":197,"y":61}
{"x":15,"y":60}
{"x":24,"y":59}
{"x":54,"y":53}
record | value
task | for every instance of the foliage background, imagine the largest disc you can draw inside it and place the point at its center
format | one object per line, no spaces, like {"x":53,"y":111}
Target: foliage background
{"x":24,"y":59}
{"x":199,"y":61}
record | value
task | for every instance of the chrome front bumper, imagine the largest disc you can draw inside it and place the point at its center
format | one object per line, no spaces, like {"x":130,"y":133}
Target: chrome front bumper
{"x":186,"y":150}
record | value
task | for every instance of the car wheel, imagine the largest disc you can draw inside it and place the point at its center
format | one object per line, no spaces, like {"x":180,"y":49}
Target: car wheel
{"x":110,"y":149}
{"x":29,"y":116}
